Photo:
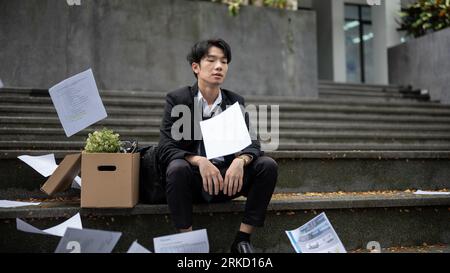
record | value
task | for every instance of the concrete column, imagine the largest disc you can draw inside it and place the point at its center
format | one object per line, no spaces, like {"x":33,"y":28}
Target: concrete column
{"x":386,"y":35}
{"x":339,"y":55}
{"x":331,"y":39}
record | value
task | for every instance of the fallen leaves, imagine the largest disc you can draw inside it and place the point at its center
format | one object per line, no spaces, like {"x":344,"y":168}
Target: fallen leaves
{"x":283,"y":196}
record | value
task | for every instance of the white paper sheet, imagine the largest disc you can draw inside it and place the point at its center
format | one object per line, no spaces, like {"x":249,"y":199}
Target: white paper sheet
{"x":16,"y":204}
{"x":46,"y":165}
{"x":189,"y":242}
{"x":420,"y":192}
{"x":316,"y":236}
{"x":43,"y":164}
{"x":59,"y":230}
{"x":137,"y":248}
{"x":88,"y":241}
{"x":76,"y":184}
{"x":78,"y":102}
{"x":225,"y":133}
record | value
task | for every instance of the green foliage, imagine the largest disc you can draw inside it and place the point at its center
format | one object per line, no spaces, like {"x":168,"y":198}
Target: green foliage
{"x":235,"y":5}
{"x":281,"y":4}
{"x":425,"y":16}
{"x":104,"y":141}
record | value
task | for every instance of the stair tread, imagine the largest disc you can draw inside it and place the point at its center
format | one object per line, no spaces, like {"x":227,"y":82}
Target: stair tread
{"x":279,"y":202}
{"x":349,"y":154}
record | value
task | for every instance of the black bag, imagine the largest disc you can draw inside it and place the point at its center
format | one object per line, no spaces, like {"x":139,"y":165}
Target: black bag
{"x":151,"y":182}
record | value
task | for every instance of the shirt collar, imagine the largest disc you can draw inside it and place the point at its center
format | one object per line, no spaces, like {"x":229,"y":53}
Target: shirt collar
{"x":216,"y":102}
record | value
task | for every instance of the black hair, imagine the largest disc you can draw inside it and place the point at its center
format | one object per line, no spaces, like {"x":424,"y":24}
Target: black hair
{"x":200,"y":50}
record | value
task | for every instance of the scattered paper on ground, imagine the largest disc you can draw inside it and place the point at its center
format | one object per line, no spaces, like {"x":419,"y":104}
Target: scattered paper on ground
{"x":419,"y":192}
{"x":316,"y":236}
{"x":77,"y":102}
{"x":76,"y":184}
{"x":59,"y":230}
{"x":88,"y":241}
{"x":188,"y":242}
{"x":16,"y":204}
{"x":137,"y":248}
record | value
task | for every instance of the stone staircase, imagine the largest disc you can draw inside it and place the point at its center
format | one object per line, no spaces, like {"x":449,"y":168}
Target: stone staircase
{"x":353,"y":139}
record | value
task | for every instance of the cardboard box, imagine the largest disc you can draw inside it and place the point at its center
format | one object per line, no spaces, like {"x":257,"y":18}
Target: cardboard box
{"x":109,"y":180}
{"x":62,"y":177}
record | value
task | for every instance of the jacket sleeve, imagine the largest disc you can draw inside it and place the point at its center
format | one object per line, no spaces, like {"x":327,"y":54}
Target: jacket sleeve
{"x":168,"y":148}
{"x":254,"y":149}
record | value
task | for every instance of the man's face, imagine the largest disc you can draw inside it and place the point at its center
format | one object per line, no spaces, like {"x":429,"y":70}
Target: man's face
{"x":213,"y":67}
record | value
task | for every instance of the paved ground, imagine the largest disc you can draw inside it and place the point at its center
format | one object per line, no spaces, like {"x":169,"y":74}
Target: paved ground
{"x":417,"y":249}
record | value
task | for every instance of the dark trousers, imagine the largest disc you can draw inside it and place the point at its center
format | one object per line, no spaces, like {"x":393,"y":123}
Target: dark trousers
{"x":184,"y":187}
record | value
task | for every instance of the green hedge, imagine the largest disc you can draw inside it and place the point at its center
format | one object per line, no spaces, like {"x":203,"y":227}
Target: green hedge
{"x":425,"y":16}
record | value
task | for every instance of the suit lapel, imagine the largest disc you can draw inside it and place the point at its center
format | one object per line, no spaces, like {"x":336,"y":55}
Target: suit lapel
{"x":225,"y":101}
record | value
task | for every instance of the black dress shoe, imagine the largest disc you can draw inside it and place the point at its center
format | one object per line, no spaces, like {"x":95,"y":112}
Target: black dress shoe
{"x":243,"y":247}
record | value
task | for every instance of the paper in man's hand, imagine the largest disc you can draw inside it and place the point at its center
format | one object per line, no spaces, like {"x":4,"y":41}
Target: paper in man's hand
{"x":77,"y":102}
{"x":225,"y":133}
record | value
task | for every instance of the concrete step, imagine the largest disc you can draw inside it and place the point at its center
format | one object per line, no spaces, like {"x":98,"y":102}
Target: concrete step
{"x":54,"y":122}
{"x":301,"y":171}
{"x":375,"y":99}
{"x":365,"y":86}
{"x":284,"y":146}
{"x":364,"y":117}
{"x":391,"y":219}
{"x":32,"y":134}
{"x":121,"y":94}
{"x":359,"y":93}
{"x":374,"y":92}
{"x":118,"y":112}
{"x":362,"y":146}
{"x":159,"y":104}
{"x":123,"y":124}
{"x":424,"y":248}
{"x":284,"y":133}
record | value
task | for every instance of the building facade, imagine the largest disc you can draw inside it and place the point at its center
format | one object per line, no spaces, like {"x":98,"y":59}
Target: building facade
{"x":354,"y":37}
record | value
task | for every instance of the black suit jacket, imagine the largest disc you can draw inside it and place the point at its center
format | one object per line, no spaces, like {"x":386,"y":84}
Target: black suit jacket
{"x":170,"y":149}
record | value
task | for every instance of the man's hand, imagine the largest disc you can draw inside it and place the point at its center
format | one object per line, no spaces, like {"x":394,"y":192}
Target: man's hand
{"x":234,"y":177}
{"x":210,"y":174}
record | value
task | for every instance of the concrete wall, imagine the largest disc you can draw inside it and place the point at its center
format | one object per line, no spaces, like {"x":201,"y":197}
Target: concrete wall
{"x":142,"y":44}
{"x":423,"y":63}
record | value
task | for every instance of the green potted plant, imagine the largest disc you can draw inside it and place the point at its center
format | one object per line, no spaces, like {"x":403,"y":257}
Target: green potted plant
{"x":103,"y":141}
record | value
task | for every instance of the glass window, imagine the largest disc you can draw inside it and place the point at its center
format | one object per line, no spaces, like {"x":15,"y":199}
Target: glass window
{"x":351,"y":12}
{"x":368,"y":53}
{"x":353,"y":56}
{"x":359,"y":43}
{"x":366,"y":13}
